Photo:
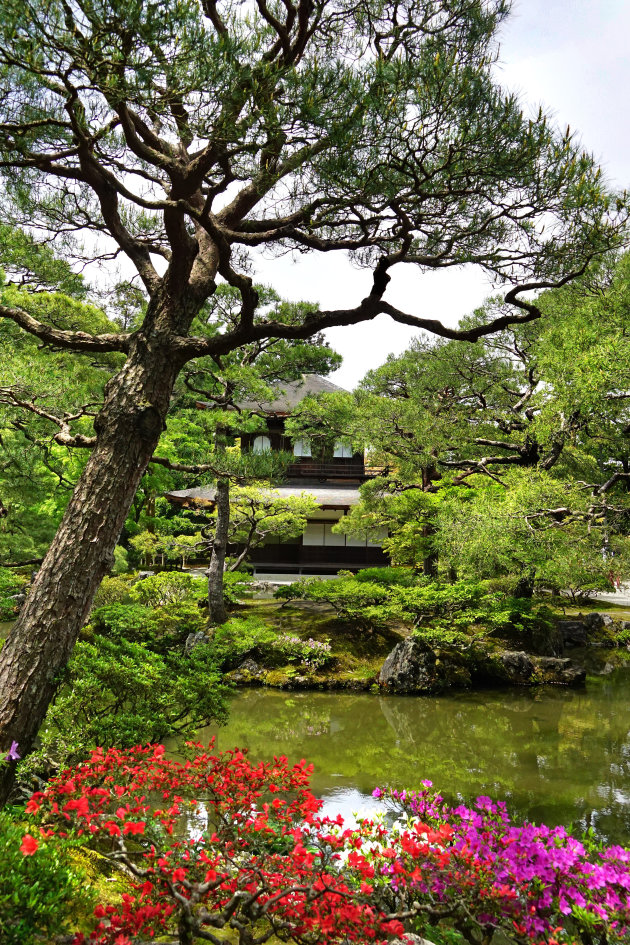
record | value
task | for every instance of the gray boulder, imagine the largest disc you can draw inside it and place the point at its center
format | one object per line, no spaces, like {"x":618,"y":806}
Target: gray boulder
{"x":520,"y":669}
{"x":410,"y":667}
{"x":576,"y":632}
{"x":297,"y":682}
{"x":263,"y":586}
{"x":516,"y":667}
{"x":193,"y":640}
{"x":250,"y":666}
{"x":248,"y":672}
{"x":561,"y":671}
{"x":597,"y":621}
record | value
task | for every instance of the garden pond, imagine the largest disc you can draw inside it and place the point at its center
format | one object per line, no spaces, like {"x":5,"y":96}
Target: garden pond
{"x":555,"y":755}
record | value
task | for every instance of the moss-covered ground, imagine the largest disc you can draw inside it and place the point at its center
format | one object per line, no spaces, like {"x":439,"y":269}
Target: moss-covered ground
{"x":357,"y":652}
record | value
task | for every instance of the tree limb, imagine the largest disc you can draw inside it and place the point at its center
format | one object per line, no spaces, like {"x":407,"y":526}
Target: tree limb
{"x":77,"y":340}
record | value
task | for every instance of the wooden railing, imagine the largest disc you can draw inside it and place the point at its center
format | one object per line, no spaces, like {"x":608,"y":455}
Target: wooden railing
{"x":340,"y":470}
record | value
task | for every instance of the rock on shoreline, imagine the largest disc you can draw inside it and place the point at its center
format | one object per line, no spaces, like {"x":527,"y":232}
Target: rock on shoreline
{"x":413,"y":666}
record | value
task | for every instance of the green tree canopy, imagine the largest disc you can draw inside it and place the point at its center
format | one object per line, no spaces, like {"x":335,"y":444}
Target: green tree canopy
{"x":47,"y":395}
{"x":510,"y":454}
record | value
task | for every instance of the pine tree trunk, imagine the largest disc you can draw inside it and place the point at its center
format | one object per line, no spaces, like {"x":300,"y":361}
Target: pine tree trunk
{"x":430,"y":562}
{"x":431,"y":559}
{"x":150,"y":510}
{"x":216,"y":604}
{"x":43,"y":637}
{"x":525,"y":584}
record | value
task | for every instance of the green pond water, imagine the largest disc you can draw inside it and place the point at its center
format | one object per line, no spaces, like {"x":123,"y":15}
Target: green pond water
{"x":555,"y":755}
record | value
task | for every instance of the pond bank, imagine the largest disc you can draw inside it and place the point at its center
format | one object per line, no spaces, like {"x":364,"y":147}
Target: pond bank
{"x":396,"y":659}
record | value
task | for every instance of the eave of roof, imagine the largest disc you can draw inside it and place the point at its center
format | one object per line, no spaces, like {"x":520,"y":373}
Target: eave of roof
{"x":333,"y":496}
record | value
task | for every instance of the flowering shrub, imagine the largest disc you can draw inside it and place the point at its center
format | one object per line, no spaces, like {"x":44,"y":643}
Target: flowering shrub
{"x":536,"y":883}
{"x":314,"y":653}
{"x":214,"y":842}
{"x":220,"y":843}
{"x":241,"y":636}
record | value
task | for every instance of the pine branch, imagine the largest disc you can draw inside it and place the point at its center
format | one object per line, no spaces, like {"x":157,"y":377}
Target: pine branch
{"x":75,"y":340}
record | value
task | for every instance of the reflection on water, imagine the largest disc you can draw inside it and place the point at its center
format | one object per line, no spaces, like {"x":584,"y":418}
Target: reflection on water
{"x":556,"y":755}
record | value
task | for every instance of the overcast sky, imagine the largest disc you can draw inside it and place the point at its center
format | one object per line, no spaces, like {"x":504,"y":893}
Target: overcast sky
{"x":572,"y":57}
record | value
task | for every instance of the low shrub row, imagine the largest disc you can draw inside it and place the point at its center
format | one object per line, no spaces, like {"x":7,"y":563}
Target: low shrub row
{"x":378,"y":596}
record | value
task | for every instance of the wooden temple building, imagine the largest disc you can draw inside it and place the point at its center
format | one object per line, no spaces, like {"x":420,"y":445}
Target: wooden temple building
{"x":333,"y":481}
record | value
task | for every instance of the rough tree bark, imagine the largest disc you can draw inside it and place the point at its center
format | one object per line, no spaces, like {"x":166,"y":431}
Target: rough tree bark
{"x":216,"y":603}
{"x":42,"y":639}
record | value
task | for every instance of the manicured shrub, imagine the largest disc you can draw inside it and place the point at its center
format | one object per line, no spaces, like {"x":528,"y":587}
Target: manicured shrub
{"x":168,"y":587}
{"x":162,"y":629}
{"x":451,"y":639}
{"x":119,"y":692}
{"x":351,"y":599}
{"x":402,"y":577}
{"x":113,"y":590}
{"x":128,"y":621}
{"x":169,"y":627}
{"x":121,"y":560}
{"x":135,"y":676}
{"x":235,"y":586}
{"x":461,"y":605}
{"x":443,"y":608}
{"x":240,"y":637}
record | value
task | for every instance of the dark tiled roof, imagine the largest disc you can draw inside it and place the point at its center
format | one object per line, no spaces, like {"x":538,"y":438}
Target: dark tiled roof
{"x":290,"y":393}
{"x":333,"y":495}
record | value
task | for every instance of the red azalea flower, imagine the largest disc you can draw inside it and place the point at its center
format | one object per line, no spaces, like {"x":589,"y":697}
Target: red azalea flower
{"x":29,"y":845}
